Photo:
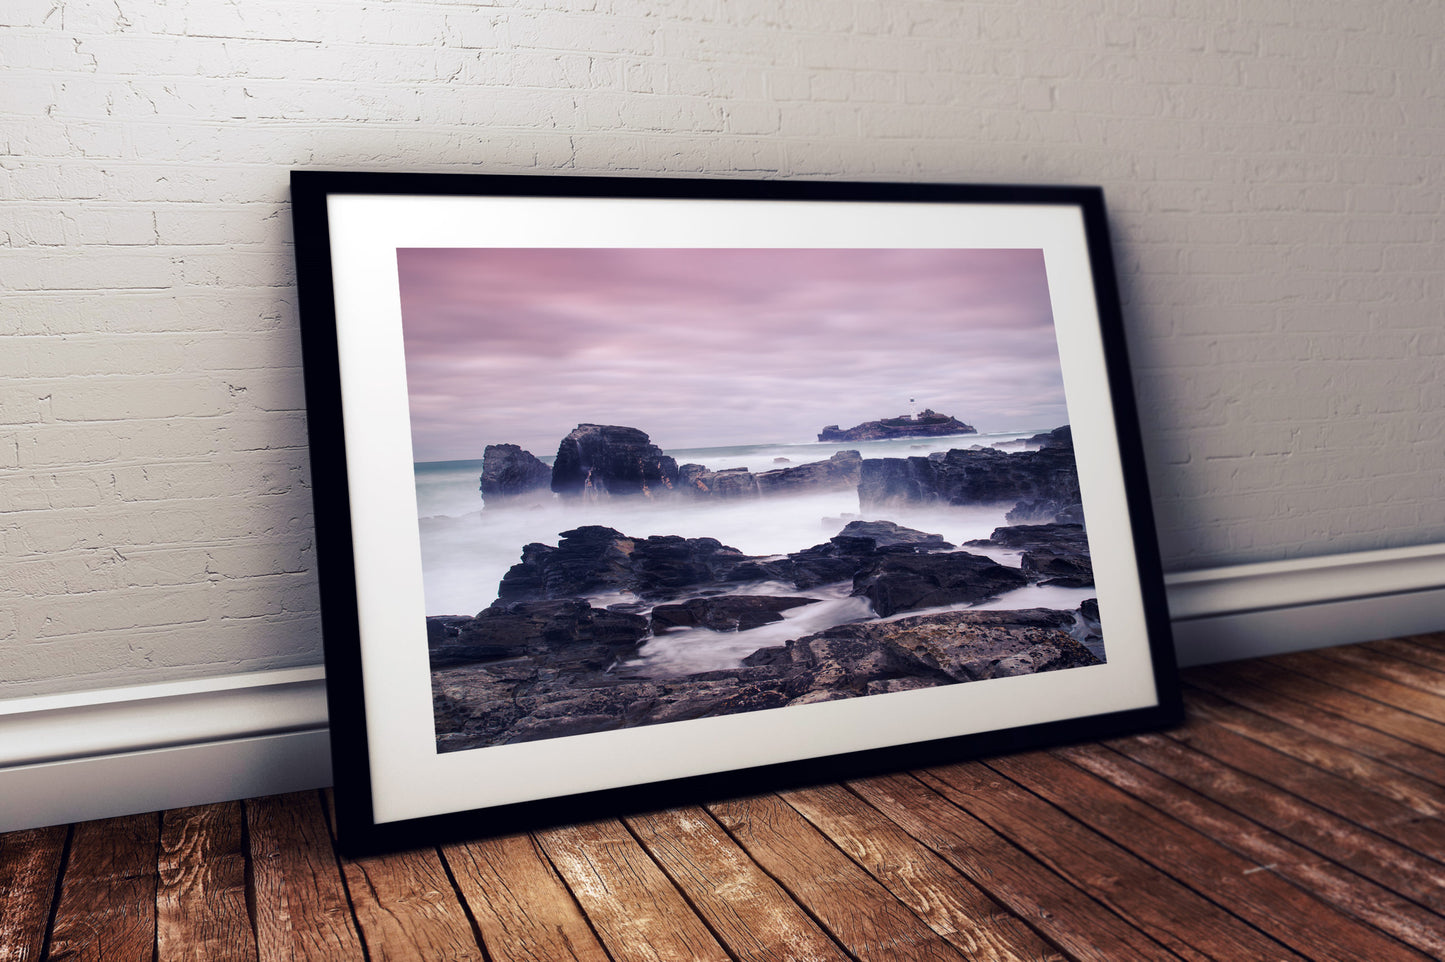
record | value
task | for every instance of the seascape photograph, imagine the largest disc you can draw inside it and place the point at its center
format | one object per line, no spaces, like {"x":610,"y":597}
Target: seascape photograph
{"x":656,"y":485}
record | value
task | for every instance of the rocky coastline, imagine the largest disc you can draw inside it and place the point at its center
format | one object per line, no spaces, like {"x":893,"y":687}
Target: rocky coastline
{"x":564,"y":648}
{"x":544,"y":660}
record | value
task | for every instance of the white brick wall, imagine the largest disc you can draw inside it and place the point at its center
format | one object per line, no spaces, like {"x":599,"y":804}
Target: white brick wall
{"x":1273,"y":170}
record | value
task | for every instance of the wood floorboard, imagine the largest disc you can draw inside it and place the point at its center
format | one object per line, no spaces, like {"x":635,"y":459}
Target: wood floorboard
{"x":201,"y":912}
{"x":1414,"y":651}
{"x":750,"y":912}
{"x":29,"y":868}
{"x":1188,"y":924}
{"x":523,"y":910}
{"x":1299,"y":813}
{"x":1270,"y":851}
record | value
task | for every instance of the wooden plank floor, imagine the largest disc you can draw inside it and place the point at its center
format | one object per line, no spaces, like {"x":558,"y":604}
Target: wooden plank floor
{"x":1297,"y":815}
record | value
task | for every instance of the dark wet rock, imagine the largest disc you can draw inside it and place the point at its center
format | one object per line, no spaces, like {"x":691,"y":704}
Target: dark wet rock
{"x":1088,"y":628}
{"x":929,"y":424}
{"x":1045,"y":511}
{"x":1053,"y":554}
{"x":977,"y":476}
{"x":593,"y":559}
{"x":518,"y":700}
{"x":1038,"y":535}
{"x":840,"y":471}
{"x":1051,"y":566}
{"x":700,"y":482}
{"x":718,"y":693}
{"x":886,"y":534}
{"x":904,"y":582}
{"x":1058,"y":437}
{"x":841,"y":557}
{"x":443,"y":629}
{"x":510,"y":474}
{"x":974,"y":645}
{"x":848,"y":658}
{"x":598,"y":460}
{"x":725,"y":612}
{"x":586,"y":560}
{"x":566,"y":631}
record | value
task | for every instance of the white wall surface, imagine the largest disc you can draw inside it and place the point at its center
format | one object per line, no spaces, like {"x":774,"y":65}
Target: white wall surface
{"x":1272,"y":168}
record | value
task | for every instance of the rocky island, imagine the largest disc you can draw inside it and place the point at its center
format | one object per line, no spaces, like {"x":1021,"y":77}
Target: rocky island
{"x":929,"y":424}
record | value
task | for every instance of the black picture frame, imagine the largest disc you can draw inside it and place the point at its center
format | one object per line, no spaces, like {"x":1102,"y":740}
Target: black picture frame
{"x":393,"y":786}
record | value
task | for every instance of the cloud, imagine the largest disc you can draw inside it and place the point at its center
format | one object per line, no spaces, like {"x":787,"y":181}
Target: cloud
{"x":718,"y":346}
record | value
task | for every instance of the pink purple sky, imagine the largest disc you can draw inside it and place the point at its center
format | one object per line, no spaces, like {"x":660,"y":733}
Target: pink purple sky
{"x":717,"y":347}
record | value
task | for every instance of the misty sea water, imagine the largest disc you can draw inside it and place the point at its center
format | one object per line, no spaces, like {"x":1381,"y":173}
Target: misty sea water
{"x":466,"y":547}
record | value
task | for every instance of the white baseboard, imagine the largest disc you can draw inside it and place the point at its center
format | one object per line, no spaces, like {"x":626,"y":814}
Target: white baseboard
{"x":1248,"y":611}
{"x":118,"y":751}
{"x":84,"y":755}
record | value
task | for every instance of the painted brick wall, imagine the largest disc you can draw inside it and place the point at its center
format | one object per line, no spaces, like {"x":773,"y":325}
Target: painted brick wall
{"x":1273,"y":170}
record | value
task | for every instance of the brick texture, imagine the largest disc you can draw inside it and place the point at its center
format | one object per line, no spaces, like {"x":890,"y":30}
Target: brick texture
{"x":1272,"y":170}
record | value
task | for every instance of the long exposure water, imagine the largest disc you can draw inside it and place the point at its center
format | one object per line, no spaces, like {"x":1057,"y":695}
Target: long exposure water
{"x":467,"y":547}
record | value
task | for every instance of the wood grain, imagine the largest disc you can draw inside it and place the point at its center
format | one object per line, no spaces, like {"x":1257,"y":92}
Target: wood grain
{"x":29,"y":867}
{"x":1418,"y":794}
{"x":407,"y":909}
{"x":1350,"y":705}
{"x":1068,"y":916}
{"x":107,"y":907}
{"x":856,"y":910}
{"x":302,"y":913}
{"x":521,"y":907}
{"x":637,"y":912}
{"x":1336,"y":729}
{"x":946,"y":900}
{"x":201,"y":910}
{"x":1415,"y":650}
{"x":1432,"y":639}
{"x":1385,"y":862}
{"x":1424,"y":832}
{"x":750,"y":913}
{"x":1188,"y":924}
{"x":1351,"y":677}
{"x":1411,"y":674}
{"x":1220,"y":875}
{"x":1271,"y":851}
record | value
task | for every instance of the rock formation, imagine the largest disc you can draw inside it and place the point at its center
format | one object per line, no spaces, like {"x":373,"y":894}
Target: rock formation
{"x":898,"y":582}
{"x":976,"y":476}
{"x":598,"y":460}
{"x":502,"y":701}
{"x":594,"y":559}
{"x":840,"y":472}
{"x":697,"y":480}
{"x":1053,"y":554}
{"x":724,"y":612}
{"x":510,"y":473}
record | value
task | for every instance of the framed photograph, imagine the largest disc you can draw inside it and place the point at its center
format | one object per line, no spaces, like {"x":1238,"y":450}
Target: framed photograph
{"x":637,"y":491}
